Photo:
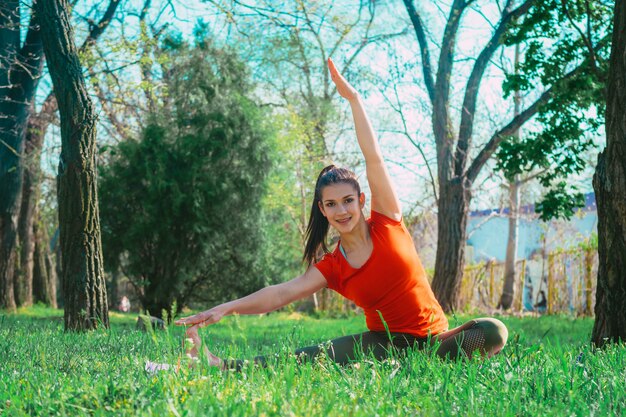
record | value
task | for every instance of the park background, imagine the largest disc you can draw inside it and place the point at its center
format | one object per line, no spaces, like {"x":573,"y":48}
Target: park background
{"x":203,"y":128}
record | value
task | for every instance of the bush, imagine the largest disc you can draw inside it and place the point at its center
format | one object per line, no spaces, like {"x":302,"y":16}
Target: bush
{"x":180,"y":206}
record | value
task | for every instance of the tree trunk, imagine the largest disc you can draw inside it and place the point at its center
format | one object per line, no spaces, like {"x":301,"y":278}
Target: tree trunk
{"x":7,"y":260}
{"x":113,"y":289}
{"x":9,"y":154}
{"x":55,"y":248}
{"x":52,"y":275}
{"x":454,"y":200}
{"x":20,"y":70}
{"x":41,"y":289}
{"x":34,"y":135}
{"x":24,"y":273}
{"x":508,"y":289}
{"x":83,"y":280}
{"x":44,"y":273}
{"x":31,"y":191}
{"x":609,"y":184}
{"x":158,"y":296}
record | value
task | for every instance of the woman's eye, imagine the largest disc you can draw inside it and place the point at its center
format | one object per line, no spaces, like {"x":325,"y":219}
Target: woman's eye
{"x":349,"y":200}
{"x":330,"y":204}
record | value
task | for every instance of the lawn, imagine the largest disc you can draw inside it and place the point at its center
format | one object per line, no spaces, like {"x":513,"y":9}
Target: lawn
{"x":547,"y":368}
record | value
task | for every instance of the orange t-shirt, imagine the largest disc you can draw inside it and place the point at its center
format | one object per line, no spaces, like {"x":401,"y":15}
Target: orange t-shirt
{"x":392,"y":281}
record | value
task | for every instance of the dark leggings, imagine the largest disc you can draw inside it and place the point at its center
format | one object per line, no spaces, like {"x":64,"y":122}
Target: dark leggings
{"x":485,"y":335}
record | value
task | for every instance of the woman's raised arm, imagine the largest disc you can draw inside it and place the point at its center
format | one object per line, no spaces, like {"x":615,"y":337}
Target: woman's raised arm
{"x":384,"y":198}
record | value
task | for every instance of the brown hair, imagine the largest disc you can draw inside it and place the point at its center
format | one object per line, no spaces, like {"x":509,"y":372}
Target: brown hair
{"x":317,"y":229}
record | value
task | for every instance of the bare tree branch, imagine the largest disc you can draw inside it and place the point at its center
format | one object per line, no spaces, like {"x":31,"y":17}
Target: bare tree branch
{"x":406,"y":134}
{"x":31,"y":54}
{"x":50,"y":104}
{"x":327,"y":86}
{"x":96,"y":31}
{"x":473,"y":83}
{"x":421,"y":38}
{"x":9,"y":37}
{"x":493,"y":143}
{"x":267,"y":13}
{"x":442,"y":128}
{"x":320,"y":45}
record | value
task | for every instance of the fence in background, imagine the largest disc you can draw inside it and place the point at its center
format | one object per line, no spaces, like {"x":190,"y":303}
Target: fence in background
{"x":567,"y":279}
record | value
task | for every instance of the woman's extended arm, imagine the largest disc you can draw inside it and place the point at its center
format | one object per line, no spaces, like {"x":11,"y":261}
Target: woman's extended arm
{"x":263,"y":301}
{"x":384,"y":198}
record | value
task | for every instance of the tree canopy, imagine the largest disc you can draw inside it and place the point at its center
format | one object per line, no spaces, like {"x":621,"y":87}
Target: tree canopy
{"x":567,"y":48}
{"x":181,"y":212}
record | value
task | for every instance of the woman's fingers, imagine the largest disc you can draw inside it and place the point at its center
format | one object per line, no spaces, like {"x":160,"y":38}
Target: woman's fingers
{"x":332,"y":68}
{"x":334,"y":73}
{"x":191,"y":320}
{"x":202,"y":319}
{"x":186,"y":321}
{"x":343,"y":86}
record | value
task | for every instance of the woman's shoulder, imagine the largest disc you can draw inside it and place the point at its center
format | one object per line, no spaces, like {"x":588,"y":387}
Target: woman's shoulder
{"x":329,"y":257}
{"x":328,"y":266}
{"x":379,"y":218}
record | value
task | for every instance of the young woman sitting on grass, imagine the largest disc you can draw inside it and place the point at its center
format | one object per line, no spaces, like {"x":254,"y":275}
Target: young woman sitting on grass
{"x":374,"y":264}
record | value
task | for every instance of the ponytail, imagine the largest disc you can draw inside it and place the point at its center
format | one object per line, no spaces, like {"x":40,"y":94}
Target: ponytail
{"x":317,"y":229}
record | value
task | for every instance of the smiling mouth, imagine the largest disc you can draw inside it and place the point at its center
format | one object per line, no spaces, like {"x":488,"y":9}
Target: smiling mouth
{"x":342,"y":221}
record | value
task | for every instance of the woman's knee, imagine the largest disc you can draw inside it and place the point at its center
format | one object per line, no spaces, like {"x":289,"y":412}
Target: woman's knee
{"x":496,"y":334}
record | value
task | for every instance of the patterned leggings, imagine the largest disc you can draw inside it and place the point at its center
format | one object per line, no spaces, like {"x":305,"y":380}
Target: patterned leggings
{"x":485,"y":335}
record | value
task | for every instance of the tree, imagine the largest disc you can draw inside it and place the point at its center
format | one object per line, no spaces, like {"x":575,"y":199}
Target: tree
{"x":181,"y":217}
{"x":609,"y":184}
{"x":38,"y":123}
{"x":81,"y":264}
{"x":515,"y":184}
{"x":510,"y":270}
{"x":569,"y":72}
{"x":20,"y":70}
{"x":23,"y":129}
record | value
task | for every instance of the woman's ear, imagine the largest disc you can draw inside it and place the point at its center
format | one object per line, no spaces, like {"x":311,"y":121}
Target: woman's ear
{"x":321,"y":207}
{"x":362,"y":200}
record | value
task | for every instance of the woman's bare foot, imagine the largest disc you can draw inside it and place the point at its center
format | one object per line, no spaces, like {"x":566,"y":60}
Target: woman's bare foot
{"x":195,"y":343}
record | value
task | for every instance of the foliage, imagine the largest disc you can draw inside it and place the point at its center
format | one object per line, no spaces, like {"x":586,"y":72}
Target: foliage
{"x":559,"y":36}
{"x":180,"y":206}
{"x":590,"y":243}
{"x":287,"y":45}
{"x":285,"y":204}
{"x":547,"y":368}
{"x":559,"y":202}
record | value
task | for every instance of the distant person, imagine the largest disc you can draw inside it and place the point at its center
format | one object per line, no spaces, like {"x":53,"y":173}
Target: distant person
{"x":528,"y":293}
{"x":124,"y":306}
{"x":374,"y":264}
{"x":542,"y":302}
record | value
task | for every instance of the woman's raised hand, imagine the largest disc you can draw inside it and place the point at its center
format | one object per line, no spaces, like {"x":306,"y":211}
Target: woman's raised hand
{"x":202,"y":319}
{"x":344,"y":88}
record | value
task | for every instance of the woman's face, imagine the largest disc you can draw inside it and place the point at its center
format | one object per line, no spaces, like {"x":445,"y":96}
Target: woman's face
{"x":342,"y":205}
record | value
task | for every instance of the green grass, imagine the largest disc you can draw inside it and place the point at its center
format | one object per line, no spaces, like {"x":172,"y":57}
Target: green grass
{"x":546,"y":369}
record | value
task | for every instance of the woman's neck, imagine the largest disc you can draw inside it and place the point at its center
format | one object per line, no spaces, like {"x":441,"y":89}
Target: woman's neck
{"x":357,"y":238}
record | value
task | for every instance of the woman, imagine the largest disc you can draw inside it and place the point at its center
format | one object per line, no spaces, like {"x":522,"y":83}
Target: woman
{"x":375,"y":264}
